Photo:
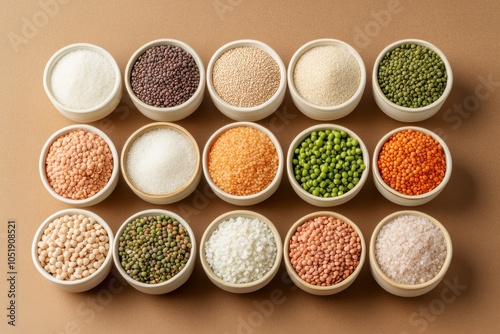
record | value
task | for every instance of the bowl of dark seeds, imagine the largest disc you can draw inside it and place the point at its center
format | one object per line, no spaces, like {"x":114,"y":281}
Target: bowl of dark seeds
{"x":165,"y":80}
{"x":155,"y":251}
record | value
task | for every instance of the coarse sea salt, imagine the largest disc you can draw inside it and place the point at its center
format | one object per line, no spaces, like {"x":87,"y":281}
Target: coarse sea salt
{"x":241,"y":250}
{"x":410,"y":249}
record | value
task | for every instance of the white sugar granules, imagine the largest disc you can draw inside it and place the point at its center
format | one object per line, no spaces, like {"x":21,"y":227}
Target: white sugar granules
{"x":161,"y":161}
{"x":327,"y":75}
{"x":410,"y":249}
{"x":241,"y":250}
{"x":82,"y":79}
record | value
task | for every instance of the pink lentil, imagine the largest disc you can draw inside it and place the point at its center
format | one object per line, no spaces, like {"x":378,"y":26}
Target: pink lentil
{"x":78,"y":164}
{"x":324,"y":250}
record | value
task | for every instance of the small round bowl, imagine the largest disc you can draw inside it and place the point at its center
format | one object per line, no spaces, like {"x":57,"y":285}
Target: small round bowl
{"x":315,"y":289}
{"x":248,"y":199}
{"x":405,"y":114}
{"x":243,"y":287}
{"x":176,"y":281}
{"x":101,"y":195}
{"x":407,"y":290}
{"x":176,"y":195}
{"x":329,"y":201}
{"x":97,"y":112}
{"x":325,"y":113}
{"x":249,"y":114}
{"x":397,"y":197}
{"x":83,"y":284}
{"x":170,"y":114}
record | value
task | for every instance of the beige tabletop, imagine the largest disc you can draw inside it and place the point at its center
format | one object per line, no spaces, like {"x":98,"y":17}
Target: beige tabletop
{"x":466,"y":301}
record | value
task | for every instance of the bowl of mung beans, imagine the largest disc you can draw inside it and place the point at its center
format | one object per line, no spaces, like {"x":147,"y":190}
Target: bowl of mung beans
{"x":411,"y":80}
{"x":243,"y":163}
{"x":155,"y":251}
{"x":324,"y":253}
{"x":246,"y":80}
{"x":165,"y":80}
{"x":410,"y":253}
{"x":79,"y":165}
{"x":326,"y":79}
{"x":411,"y":165}
{"x":327,"y":164}
{"x":72,"y":249}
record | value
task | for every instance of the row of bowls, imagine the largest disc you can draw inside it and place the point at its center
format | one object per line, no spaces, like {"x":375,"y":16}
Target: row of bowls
{"x":246,"y":113}
{"x":179,"y":279}
{"x":187,"y":189}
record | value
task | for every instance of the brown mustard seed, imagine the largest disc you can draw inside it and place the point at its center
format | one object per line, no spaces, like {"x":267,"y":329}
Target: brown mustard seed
{"x":165,"y":76}
{"x":246,"y":76}
{"x":242,"y":161}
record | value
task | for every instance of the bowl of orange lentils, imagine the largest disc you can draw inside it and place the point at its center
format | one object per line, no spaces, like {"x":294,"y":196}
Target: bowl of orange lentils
{"x":411,"y":165}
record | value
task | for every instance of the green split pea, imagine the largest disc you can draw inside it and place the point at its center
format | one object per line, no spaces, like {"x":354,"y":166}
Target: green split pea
{"x":154,"y":249}
{"x":328,"y":163}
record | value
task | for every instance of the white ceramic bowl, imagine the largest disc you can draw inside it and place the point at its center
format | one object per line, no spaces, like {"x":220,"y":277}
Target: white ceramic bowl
{"x":407,"y":290}
{"x":243,"y":287}
{"x":170,"y":114}
{"x":82,"y":284}
{"x":101,"y":195}
{"x":325,"y":113}
{"x":249,"y":114}
{"x":397,"y":197}
{"x":329,"y":201}
{"x":316,"y":289}
{"x":404,"y":114}
{"x":248,"y":199}
{"x":176,"y":281}
{"x":175,"y":195}
{"x":97,"y":112}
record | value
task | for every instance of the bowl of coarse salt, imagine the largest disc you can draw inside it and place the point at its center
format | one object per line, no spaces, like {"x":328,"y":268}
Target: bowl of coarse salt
{"x":83,"y":81}
{"x":326,"y":79}
{"x":79,"y":165}
{"x":410,"y":253}
{"x":246,"y":80}
{"x":160,"y":162}
{"x":72,"y":250}
{"x":240,"y":251}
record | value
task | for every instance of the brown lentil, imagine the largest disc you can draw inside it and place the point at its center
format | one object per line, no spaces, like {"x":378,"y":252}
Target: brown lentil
{"x":412,"y":162}
{"x":79,"y":164}
{"x":324,"y":250}
{"x":242,"y":161}
{"x":246,"y":76}
{"x":165,"y":76}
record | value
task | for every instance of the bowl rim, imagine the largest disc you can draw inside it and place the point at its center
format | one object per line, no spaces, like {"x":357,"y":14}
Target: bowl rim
{"x":150,"y":127}
{"x":409,"y":287}
{"x":344,"y":283}
{"x":220,"y":131}
{"x":41,"y":228}
{"x":326,"y":126}
{"x":435,"y":191}
{"x":406,"y":110}
{"x":326,"y":42}
{"x":247,"y":214}
{"x":246,"y":43}
{"x":116,"y":258}
{"x":58,"y":55}
{"x":157,"y":42}
{"x":67,"y":129}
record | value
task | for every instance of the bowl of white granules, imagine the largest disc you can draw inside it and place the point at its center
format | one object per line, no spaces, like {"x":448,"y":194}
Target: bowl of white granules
{"x":410,"y":253}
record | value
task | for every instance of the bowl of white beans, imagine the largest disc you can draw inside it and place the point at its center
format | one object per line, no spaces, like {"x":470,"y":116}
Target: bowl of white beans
{"x":71,"y":249}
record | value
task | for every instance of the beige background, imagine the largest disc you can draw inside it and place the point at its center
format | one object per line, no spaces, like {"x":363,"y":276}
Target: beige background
{"x":466,"y":31}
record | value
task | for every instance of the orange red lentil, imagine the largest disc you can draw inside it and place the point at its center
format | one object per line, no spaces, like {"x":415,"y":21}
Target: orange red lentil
{"x":242,"y":161}
{"x":412,"y":162}
{"x":79,"y":164}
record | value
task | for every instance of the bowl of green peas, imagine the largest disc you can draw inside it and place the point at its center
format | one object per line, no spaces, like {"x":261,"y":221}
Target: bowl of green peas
{"x":327,"y":164}
{"x":411,"y":80}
